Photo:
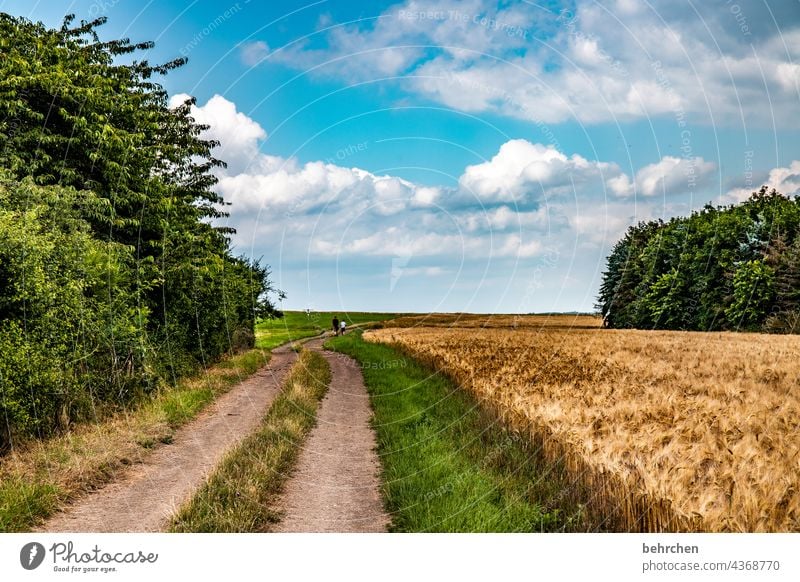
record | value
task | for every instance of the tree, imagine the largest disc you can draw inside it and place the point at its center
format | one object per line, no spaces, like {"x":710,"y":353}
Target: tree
{"x":69,"y":330}
{"x":785,"y":260}
{"x":735,"y":267}
{"x":108,"y":198}
{"x":753,"y":291}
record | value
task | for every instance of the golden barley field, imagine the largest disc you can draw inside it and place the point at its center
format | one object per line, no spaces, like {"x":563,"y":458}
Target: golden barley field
{"x":668,"y":431}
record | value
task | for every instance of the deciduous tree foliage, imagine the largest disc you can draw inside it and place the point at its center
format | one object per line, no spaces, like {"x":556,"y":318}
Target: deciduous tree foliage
{"x":112,"y":277}
{"x":722,"y":268}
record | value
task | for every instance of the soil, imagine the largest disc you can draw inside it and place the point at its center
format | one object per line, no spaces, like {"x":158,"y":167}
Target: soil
{"x":335,"y":486}
{"x":145,"y":495}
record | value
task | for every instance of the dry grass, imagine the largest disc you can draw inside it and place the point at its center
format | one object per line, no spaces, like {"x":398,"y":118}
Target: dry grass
{"x":670,"y":430}
{"x":474,"y":320}
{"x":40,"y":476}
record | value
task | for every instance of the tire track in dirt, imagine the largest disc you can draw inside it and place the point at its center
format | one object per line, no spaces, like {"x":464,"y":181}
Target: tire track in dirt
{"x":335,"y":485}
{"x":144,"y":497}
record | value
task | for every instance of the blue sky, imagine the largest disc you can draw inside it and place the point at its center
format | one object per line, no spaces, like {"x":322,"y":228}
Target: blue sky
{"x":470,"y":155}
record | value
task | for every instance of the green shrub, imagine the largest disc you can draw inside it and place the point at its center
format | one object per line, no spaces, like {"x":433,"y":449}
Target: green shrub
{"x":113,"y":278}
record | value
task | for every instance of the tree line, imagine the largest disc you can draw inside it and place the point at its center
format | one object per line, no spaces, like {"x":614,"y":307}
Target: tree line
{"x":731,"y":267}
{"x":113,"y":279}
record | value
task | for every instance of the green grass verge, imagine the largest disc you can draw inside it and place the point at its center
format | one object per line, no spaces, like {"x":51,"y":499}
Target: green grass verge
{"x":20,"y":501}
{"x":448,"y":466}
{"x":41,"y":476}
{"x":240,"y":494}
{"x":295,"y":325}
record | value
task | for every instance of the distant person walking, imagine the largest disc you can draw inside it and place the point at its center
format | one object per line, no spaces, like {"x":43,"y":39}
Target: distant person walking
{"x":342,"y":327}
{"x":335,"y":325}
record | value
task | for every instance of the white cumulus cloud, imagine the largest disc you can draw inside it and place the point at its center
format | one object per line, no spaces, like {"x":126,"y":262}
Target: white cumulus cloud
{"x":237,"y":133}
{"x":521,"y":171}
{"x":785,"y":180}
{"x":512,"y":206}
{"x":669,"y":176}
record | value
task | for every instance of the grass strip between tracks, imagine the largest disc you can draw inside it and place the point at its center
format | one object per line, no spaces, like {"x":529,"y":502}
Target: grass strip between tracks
{"x":239,"y":495}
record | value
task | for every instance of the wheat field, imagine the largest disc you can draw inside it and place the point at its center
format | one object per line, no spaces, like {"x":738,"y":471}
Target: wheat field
{"x":668,"y":431}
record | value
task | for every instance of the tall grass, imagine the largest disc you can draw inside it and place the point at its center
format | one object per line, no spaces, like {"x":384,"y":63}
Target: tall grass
{"x":41,"y":476}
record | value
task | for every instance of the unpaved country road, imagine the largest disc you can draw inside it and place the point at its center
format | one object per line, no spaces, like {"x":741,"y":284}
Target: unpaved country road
{"x":145,"y":496}
{"x":335,"y":485}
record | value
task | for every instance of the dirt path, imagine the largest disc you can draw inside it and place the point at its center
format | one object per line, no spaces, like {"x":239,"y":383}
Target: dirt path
{"x":145,"y":496}
{"x":335,"y":485}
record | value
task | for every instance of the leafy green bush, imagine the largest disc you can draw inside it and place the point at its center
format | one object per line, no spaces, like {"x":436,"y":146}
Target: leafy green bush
{"x":71,"y":331}
{"x":113,"y":278}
